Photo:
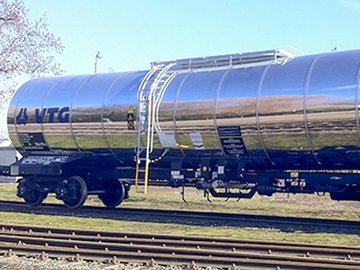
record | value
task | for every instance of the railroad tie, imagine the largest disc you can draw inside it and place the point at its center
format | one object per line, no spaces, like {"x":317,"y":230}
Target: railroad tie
{"x":115,"y":260}
{"x":9,"y":253}
{"x":152,"y":263}
{"x":77,"y":258}
{"x":44,"y":256}
{"x":193,"y":265}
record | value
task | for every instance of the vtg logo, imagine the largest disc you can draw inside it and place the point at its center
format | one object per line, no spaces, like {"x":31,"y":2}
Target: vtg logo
{"x":22,"y":117}
{"x":62,"y":115}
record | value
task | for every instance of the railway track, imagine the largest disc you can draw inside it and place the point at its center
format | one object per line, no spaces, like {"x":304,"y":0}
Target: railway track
{"x":193,"y":217}
{"x":193,"y":251}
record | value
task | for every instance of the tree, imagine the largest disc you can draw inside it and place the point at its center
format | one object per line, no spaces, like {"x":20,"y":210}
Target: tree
{"x":26,"y":47}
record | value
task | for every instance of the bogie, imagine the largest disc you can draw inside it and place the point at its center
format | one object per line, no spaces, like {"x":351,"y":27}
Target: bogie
{"x":73,"y":192}
{"x":30,"y":192}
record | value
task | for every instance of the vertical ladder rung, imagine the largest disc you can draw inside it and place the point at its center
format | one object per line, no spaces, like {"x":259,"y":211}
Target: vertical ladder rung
{"x":152,"y":85}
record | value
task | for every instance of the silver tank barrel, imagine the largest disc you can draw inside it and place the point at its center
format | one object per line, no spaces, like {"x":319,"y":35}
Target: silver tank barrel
{"x":74,"y":113}
{"x":305,"y":105}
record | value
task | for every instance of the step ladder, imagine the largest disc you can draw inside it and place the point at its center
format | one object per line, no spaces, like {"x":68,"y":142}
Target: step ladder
{"x":150,"y":94}
{"x":153,"y":87}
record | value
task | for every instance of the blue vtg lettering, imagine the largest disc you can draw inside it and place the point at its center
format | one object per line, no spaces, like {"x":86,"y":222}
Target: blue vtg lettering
{"x":61,"y":114}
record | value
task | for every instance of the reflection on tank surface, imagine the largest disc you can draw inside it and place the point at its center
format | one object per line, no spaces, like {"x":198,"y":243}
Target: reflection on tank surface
{"x":116,"y":127}
{"x":278,"y":123}
{"x":236,"y":105}
{"x":331,"y":98}
{"x":119,"y":99}
{"x":307,"y":104}
{"x":194,"y":112}
{"x":331,"y":121}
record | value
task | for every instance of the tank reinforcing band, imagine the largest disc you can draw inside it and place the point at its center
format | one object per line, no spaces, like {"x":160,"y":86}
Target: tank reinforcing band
{"x":154,"y":84}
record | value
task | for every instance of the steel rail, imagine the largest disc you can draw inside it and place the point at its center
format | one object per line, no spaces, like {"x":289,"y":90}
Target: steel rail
{"x":192,"y":217}
{"x":223,"y":244}
{"x":163,"y":249}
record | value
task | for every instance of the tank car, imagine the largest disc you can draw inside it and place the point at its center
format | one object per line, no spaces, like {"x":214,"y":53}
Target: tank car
{"x":233,"y":125}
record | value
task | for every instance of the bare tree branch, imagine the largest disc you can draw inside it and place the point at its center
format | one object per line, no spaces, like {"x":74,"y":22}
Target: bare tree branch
{"x":26,"y":47}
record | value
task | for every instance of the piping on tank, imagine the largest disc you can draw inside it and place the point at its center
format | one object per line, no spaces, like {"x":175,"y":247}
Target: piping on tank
{"x":220,"y":104}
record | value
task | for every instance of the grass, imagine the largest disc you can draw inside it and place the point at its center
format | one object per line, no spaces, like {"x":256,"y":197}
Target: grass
{"x":305,"y":205}
{"x":177,"y":229}
{"x":168,"y":198}
{"x":276,"y":141}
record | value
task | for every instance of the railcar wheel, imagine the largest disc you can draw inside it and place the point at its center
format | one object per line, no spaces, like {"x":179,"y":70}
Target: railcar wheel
{"x":30,"y":193}
{"x":115,"y":193}
{"x":74,"y":192}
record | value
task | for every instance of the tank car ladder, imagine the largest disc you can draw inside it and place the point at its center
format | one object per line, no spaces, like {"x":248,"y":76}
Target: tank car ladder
{"x":150,"y":93}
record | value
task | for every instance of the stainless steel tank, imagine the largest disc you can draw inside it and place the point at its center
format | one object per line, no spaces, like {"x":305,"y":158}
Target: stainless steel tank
{"x":302,"y":105}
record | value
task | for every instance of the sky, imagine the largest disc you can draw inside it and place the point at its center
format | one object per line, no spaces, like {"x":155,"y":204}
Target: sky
{"x":132,"y":33}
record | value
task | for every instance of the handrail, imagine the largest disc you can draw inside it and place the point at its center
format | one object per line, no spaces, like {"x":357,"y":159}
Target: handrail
{"x":278,"y":56}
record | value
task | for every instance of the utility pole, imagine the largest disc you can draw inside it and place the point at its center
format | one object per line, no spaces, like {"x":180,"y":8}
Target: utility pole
{"x":97,"y":56}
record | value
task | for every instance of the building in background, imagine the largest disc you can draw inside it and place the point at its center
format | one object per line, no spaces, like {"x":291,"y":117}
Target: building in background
{"x":7,"y":157}
{"x":3,"y":127}
{"x":7,"y":151}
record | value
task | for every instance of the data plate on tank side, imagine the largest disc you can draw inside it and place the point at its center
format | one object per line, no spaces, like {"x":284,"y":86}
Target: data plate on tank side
{"x":33,"y":141}
{"x":231,"y":140}
{"x":44,"y":160}
{"x":197,"y":141}
{"x":167,"y":140}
